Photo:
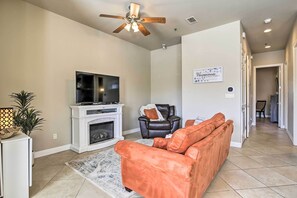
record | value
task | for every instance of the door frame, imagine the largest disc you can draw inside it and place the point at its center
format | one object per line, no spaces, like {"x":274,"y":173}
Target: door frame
{"x":294,"y":139}
{"x":283,"y":96}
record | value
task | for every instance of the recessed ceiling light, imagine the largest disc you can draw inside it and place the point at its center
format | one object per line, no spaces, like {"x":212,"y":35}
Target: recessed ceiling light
{"x":266,"y":21}
{"x":267,"y":46}
{"x":267,"y":30}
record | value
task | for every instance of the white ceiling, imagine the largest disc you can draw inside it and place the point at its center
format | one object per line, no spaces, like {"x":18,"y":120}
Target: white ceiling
{"x":209,"y":13}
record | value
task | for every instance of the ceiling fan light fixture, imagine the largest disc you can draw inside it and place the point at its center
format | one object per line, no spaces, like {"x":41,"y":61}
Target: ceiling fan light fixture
{"x":135,"y":27}
{"x":128,"y":27}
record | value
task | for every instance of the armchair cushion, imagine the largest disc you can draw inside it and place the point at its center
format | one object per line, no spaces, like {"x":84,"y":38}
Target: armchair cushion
{"x":159,"y":125}
{"x":162,"y":160}
{"x":164,"y":110}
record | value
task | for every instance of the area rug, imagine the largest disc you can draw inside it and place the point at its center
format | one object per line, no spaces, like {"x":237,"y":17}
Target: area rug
{"x":103,"y":170}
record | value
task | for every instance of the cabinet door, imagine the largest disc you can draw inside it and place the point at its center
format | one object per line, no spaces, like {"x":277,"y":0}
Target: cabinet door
{"x":15,"y":169}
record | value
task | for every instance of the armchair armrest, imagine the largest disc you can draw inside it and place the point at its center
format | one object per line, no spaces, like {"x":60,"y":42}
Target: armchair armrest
{"x":173,"y":118}
{"x":144,"y":118}
{"x":162,"y":160}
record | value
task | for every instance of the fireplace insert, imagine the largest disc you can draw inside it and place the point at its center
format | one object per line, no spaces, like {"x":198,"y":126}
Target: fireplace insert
{"x":101,"y":131}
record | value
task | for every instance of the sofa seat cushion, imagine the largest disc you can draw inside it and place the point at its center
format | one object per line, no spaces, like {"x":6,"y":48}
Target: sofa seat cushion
{"x":159,"y":125}
{"x":182,"y":139}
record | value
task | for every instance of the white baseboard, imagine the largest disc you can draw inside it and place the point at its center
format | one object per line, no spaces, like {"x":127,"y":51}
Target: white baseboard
{"x":131,"y":131}
{"x":290,"y":136}
{"x":50,"y":151}
{"x":236,"y":144}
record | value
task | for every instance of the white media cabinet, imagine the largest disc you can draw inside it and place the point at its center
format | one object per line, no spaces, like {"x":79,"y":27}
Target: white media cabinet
{"x":83,"y":116}
{"x":16,"y":166}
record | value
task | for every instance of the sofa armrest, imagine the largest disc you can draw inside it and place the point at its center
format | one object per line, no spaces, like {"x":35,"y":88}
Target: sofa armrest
{"x":162,"y":160}
{"x":189,"y":123}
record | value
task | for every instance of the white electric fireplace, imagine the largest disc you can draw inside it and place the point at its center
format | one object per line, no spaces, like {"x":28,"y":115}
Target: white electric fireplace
{"x":95,"y":126}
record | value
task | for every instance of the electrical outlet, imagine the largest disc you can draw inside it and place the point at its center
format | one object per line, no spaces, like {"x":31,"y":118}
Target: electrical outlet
{"x":55,"y":136}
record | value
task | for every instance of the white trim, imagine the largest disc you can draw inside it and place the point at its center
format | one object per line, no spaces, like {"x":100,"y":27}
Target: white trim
{"x":290,"y":135}
{"x":236,"y":144}
{"x":294,"y":94}
{"x":50,"y":151}
{"x":286,"y":97}
{"x":283,"y":96}
{"x":127,"y":132}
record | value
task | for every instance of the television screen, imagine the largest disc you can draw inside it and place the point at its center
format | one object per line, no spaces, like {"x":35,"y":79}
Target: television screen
{"x":97,"y":88}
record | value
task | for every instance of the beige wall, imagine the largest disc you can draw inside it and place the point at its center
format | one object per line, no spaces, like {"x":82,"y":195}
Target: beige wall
{"x":266,"y":85}
{"x":166,"y":76}
{"x":40,"y":52}
{"x":292,"y":42}
{"x":219,"y":46}
{"x":269,"y":58}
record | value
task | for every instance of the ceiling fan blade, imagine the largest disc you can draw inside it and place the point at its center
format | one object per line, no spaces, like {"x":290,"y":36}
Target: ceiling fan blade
{"x":111,"y":16}
{"x":134,"y":10}
{"x":143,"y":30}
{"x":153,"y":20}
{"x":120,"y":28}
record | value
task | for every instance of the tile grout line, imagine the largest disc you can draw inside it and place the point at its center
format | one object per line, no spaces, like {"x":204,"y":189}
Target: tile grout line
{"x":80,"y":188}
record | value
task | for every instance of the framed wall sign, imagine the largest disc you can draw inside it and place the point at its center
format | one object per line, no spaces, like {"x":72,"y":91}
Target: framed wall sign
{"x":206,"y":75}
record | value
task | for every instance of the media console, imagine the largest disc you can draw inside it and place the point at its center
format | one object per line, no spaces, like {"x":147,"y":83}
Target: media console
{"x":95,"y":126}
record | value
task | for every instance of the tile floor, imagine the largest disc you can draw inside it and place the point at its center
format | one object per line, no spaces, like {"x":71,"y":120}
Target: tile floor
{"x":266,"y":166}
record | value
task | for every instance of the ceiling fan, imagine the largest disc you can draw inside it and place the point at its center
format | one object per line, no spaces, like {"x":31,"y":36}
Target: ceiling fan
{"x":134,"y":21}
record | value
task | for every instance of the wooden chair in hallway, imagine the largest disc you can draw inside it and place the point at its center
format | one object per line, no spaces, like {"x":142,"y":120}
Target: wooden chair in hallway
{"x":260,"y":107}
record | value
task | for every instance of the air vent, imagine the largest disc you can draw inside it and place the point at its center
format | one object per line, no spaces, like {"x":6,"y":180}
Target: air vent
{"x":191,"y":20}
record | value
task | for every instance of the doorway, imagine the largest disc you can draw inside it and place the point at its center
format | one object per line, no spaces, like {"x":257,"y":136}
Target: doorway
{"x":274,"y":98}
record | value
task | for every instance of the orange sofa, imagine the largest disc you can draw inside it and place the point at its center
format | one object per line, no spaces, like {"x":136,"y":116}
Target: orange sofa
{"x":182,"y":166}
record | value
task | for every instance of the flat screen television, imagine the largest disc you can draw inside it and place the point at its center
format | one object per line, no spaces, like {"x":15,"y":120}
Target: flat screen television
{"x":97,"y":88}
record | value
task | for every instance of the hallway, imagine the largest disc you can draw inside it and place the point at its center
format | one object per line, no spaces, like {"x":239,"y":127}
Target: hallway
{"x":266,"y":166}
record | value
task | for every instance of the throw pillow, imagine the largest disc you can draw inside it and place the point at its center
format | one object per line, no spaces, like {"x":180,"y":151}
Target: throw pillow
{"x":151,"y":106}
{"x":161,"y":143}
{"x":151,"y":113}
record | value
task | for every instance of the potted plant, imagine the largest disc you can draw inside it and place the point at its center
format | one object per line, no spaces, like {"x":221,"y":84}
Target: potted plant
{"x":25,"y":115}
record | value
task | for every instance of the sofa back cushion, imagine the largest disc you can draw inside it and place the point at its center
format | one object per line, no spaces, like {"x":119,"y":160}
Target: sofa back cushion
{"x":182,"y":139}
{"x":218,"y":119}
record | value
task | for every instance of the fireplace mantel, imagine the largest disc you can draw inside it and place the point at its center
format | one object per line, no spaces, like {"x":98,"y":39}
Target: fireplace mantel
{"x":84,"y":115}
